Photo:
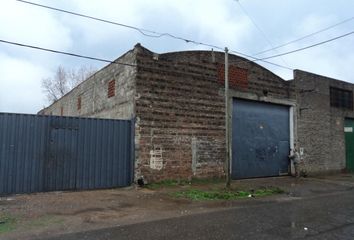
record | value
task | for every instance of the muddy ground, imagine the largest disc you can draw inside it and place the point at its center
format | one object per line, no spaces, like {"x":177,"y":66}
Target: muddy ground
{"x":33,"y":216}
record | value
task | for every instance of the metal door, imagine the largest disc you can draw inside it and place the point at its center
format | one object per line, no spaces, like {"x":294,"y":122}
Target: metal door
{"x":349,"y":144}
{"x":260,"y":139}
{"x":61,"y":164}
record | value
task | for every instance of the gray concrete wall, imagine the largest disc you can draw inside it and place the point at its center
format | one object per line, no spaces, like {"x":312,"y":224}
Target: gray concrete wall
{"x":320,"y":127}
{"x":94,"y":93}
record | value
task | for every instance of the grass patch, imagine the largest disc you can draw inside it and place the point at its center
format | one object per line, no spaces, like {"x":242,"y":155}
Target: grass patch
{"x":10,"y":223}
{"x":44,"y":222}
{"x":183,"y":182}
{"x":200,"y":195}
{"x":202,"y":181}
{"x":7,"y":223}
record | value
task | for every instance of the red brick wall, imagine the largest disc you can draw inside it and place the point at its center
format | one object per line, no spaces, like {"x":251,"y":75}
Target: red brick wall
{"x":111,"y":88}
{"x":238,"y":77}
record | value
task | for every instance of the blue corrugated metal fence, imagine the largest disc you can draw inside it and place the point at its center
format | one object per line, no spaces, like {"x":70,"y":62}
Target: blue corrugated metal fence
{"x":49,"y":153}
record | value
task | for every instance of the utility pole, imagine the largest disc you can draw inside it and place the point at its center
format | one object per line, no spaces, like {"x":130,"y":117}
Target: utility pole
{"x":227,"y":120}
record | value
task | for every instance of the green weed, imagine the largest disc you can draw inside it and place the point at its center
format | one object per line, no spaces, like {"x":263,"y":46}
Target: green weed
{"x":184,"y":182}
{"x":7,"y":223}
{"x":199,"y":195}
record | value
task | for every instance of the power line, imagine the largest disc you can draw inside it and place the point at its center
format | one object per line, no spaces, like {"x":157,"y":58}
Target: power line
{"x":306,"y":36}
{"x":145,"y":32}
{"x":66,"y":53}
{"x":82,"y":56}
{"x":254,"y":22}
{"x":89,"y":57}
{"x":140,"y":30}
{"x":307,"y":47}
{"x":79,"y":55}
{"x":259,"y":59}
{"x":256,"y":25}
{"x":134,"y":65}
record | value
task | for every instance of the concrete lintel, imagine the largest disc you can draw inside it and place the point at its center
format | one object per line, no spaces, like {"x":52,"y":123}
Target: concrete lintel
{"x":255,"y":97}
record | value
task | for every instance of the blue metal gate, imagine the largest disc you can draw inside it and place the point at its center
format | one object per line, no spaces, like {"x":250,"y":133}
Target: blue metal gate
{"x":260,"y":139}
{"x":49,"y":153}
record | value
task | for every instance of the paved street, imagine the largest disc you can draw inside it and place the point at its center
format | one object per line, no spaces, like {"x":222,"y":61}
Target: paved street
{"x":322,"y":216}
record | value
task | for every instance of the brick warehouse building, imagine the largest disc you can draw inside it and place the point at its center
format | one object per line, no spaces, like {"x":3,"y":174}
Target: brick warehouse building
{"x":178,"y":102}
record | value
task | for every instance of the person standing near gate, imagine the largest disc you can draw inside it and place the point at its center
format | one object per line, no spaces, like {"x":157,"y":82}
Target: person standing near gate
{"x":294,"y":158}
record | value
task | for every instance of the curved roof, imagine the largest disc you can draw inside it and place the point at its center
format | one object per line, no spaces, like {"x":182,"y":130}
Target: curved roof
{"x":203,"y":55}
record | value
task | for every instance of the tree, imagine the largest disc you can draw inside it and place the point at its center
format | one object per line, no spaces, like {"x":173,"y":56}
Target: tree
{"x":64,"y":80}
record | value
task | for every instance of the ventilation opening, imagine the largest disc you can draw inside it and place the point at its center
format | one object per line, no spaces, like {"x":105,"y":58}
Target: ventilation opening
{"x":111,"y":88}
{"x":79,"y":103}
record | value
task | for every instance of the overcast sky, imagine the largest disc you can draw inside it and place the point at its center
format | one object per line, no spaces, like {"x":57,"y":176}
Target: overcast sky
{"x":219,"y":22}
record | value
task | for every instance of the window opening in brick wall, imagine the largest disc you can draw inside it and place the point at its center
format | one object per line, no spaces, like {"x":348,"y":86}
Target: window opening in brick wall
{"x":341,"y":98}
{"x":61,"y":111}
{"x":238,"y":77}
{"x":79,"y":103}
{"x":111,"y":88}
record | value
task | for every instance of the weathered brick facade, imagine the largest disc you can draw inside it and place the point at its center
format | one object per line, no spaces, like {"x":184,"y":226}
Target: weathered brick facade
{"x":320,"y":126}
{"x":181,"y":109}
{"x":179,"y":105}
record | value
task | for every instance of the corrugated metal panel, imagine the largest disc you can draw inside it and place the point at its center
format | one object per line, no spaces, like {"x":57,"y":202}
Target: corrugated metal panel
{"x":47,"y":153}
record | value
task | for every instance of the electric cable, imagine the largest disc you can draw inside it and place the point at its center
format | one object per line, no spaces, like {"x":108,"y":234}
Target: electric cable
{"x":143,"y":31}
{"x":306,"y":36}
{"x":66,"y":53}
{"x":307,"y":47}
{"x":258,"y":28}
